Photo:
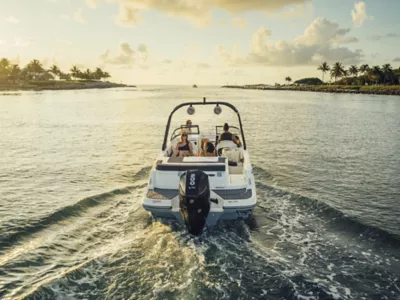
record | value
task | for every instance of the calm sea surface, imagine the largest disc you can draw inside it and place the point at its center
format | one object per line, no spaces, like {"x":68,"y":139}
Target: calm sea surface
{"x":74,"y":164}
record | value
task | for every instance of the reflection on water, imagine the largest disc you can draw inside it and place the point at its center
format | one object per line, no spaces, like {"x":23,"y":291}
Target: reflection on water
{"x":75,"y":163}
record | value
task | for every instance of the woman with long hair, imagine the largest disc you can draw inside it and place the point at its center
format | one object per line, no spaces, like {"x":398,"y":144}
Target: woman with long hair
{"x":184,"y":146}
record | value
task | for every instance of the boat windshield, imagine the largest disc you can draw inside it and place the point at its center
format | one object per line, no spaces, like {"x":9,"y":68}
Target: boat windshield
{"x":190,"y":130}
{"x":233,"y":129}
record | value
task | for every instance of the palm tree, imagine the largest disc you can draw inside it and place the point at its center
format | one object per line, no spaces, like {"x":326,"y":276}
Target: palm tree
{"x":364,"y":69}
{"x":75,"y":72}
{"x":15,"y":72}
{"x":353,"y":70}
{"x":4,"y":67}
{"x":106,"y":75}
{"x":87,"y":74}
{"x":98,"y":74}
{"x":55,"y":70}
{"x":337,"y":70}
{"x":387,"y":73}
{"x":376,"y":73}
{"x":288,"y":79}
{"x":35,"y":66}
{"x":324,"y":67}
{"x":4,"y":63}
{"x":65,"y":76}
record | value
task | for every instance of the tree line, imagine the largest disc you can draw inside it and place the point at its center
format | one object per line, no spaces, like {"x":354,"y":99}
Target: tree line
{"x":384,"y":74}
{"x":35,"y":70}
{"x":357,"y":75}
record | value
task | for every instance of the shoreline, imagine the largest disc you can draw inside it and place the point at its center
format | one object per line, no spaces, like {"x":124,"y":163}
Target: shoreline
{"x":393,"y":90}
{"x":60,"y":86}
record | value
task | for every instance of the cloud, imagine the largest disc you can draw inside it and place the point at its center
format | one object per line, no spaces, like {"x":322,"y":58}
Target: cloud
{"x":142,"y":48}
{"x":12,"y":19}
{"x":20,"y":42}
{"x":347,"y":40}
{"x":92,"y":3}
{"x":198,"y":12}
{"x":239,"y":22}
{"x":359,"y":14}
{"x":143,"y":56}
{"x":298,"y":11}
{"x":322,"y":31}
{"x":128,"y":16}
{"x":392,"y":34}
{"x":203,"y":65}
{"x":320,"y":41}
{"x":76,"y":16}
{"x":377,"y":37}
{"x":167,"y":61}
{"x":125,"y":57}
{"x":396,"y":59}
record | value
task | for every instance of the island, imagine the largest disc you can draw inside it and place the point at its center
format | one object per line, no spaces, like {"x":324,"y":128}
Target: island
{"x":35,"y":77}
{"x":376,"y":80}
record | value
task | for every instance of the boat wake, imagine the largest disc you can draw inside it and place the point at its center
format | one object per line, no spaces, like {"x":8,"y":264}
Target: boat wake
{"x":107,"y":247}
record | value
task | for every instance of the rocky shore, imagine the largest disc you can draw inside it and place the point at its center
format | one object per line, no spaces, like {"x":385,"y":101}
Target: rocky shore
{"x":59,"y":85}
{"x":373,"y":90}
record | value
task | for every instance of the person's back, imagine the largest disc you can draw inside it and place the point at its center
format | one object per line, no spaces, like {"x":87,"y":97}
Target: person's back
{"x":226,"y":135}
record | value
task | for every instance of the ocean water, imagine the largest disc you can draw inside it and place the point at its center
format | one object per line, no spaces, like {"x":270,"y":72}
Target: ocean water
{"x":74,"y":164}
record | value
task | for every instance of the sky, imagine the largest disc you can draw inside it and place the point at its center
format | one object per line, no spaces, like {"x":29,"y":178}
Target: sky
{"x":203,"y":42}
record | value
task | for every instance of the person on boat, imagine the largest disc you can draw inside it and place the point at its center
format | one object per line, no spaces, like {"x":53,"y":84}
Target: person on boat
{"x":207,"y":149}
{"x":187,"y":129}
{"x":203,"y":141}
{"x":227,"y":135}
{"x":184,"y":146}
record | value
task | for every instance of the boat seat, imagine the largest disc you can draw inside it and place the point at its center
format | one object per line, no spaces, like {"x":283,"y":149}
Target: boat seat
{"x":236,"y":170}
{"x":234,"y":155}
{"x":235,"y":160}
{"x":226,"y":144}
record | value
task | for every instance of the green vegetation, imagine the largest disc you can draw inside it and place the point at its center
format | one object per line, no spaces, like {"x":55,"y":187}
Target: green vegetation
{"x":309,"y":81}
{"x":324,"y":68}
{"x":384,"y":74}
{"x":349,"y":88}
{"x":380,"y":80}
{"x":35,"y":77}
{"x":352,"y":89}
{"x":376,"y":75}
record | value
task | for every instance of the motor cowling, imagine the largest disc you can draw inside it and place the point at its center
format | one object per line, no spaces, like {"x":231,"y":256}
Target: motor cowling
{"x":194,"y":200}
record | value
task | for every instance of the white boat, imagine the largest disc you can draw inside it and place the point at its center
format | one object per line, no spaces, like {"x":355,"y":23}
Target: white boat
{"x":199,"y":191}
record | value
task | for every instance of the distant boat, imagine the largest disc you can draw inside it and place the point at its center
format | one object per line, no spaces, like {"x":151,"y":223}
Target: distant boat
{"x":195,"y":86}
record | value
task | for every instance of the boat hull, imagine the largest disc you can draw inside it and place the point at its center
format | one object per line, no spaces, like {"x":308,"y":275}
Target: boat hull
{"x":221,"y":209}
{"x":233,"y":213}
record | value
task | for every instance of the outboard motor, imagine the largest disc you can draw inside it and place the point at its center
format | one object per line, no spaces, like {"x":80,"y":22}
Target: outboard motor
{"x":194,"y":200}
